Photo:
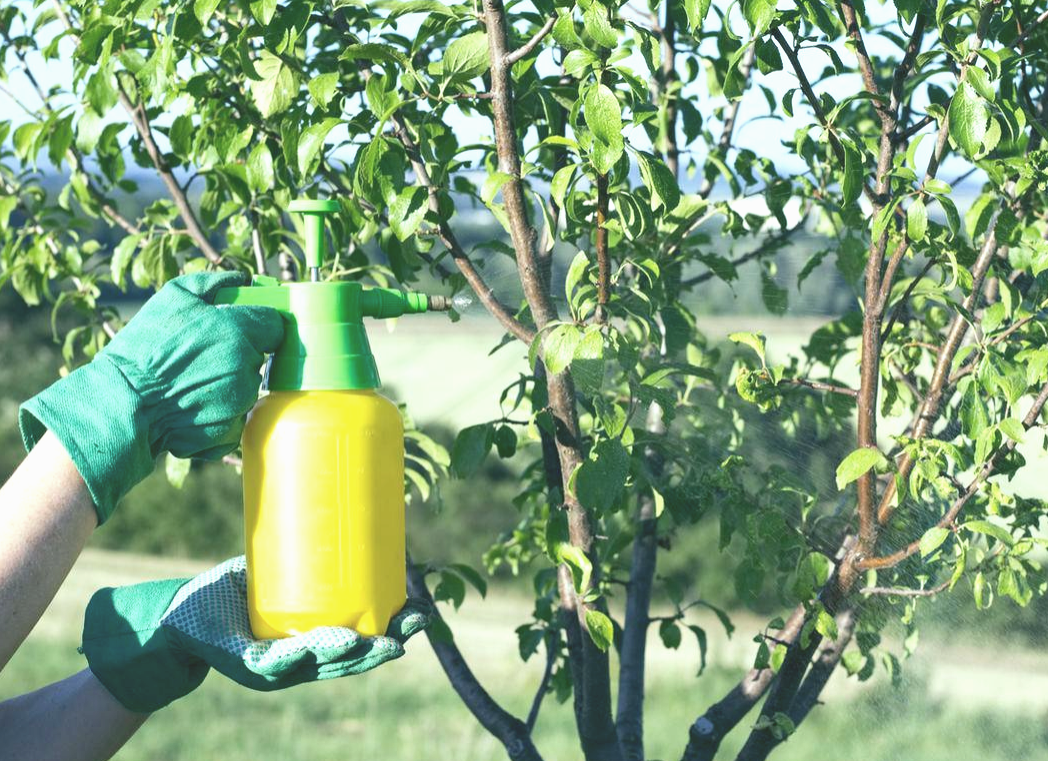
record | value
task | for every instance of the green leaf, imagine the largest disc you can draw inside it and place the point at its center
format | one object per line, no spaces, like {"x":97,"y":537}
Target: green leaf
{"x":560,"y":347}
{"x":60,"y":139}
{"x":492,"y":185}
{"x":564,"y":30}
{"x":176,"y":470}
{"x":670,"y":634}
{"x":696,"y":11}
{"x":660,"y":182}
{"x":917,"y":220}
{"x":981,"y":592}
{"x":576,"y":61}
{"x":980,"y":81}
{"x":700,"y":637}
{"x":88,"y":131}
{"x":599,"y":625}
{"x":471,"y":447}
{"x":603,"y":114}
{"x":260,"y":177}
{"x":451,"y":588}
{"x":858,"y":463}
{"x":759,"y":14}
{"x":122,"y":254}
{"x":778,"y":655}
{"x":263,"y":10}
{"x":754,"y":340}
{"x":466,"y":57}
{"x":1013,"y":429}
{"x":990,"y":529}
{"x":470,"y":574}
{"x":825,"y":624}
{"x":851,"y":186}
{"x":812,"y":572}
{"x":373,"y":51}
{"x":310,"y":143}
{"x":561,"y":550}
{"x":601,"y":478}
{"x":203,"y":9}
{"x":100,"y":91}
{"x":775,"y":297}
{"x":587,"y":363}
{"x":407,"y":211}
{"x":560,"y":183}
{"x":322,"y":88}
{"x":969,"y":117}
{"x":598,"y":25}
{"x":275,"y":88}
{"x":505,"y":441}
{"x":932,"y":539}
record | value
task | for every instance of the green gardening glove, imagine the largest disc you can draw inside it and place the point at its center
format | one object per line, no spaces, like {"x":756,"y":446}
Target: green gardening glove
{"x":179,"y":378}
{"x":152,"y":643}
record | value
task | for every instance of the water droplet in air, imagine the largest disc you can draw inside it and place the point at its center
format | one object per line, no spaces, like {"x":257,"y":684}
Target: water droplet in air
{"x":462,"y":302}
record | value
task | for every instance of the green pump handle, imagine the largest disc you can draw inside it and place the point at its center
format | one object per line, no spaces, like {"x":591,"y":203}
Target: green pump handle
{"x":325,"y":346}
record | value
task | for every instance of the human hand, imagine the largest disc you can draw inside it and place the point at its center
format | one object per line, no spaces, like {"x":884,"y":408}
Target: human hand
{"x":181,"y":377}
{"x":152,"y":643}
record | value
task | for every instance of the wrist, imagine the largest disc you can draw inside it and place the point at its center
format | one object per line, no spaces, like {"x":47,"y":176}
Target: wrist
{"x":98,"y":418}
{"x":128,"y":650}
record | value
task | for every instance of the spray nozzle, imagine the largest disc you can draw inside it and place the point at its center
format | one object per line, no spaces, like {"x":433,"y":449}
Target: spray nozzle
{"x":313,"y":211}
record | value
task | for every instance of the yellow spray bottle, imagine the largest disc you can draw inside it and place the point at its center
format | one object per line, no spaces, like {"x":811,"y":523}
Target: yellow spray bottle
{"x":324,"y":457}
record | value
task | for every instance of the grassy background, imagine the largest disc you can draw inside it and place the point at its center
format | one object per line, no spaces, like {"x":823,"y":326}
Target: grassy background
{"x":953,"y":705}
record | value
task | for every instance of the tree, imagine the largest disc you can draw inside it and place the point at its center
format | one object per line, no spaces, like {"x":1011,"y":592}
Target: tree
{"x":632,"y":419}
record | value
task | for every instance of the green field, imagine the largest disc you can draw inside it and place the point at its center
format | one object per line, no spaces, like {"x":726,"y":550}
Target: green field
{"x":975,"y":706}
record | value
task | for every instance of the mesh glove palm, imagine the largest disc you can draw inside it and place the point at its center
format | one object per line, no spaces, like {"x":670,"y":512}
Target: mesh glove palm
{"x":152,"y":643}
{"x":179,"y":378}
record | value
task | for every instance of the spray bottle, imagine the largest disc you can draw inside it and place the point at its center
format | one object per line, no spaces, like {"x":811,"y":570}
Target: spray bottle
{"x":324,"y":456}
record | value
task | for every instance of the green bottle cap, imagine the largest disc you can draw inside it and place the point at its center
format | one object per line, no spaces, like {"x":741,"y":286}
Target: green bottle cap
{"x":325,"y":346}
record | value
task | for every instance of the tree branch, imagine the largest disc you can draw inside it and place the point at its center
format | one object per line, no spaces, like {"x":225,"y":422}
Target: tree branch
{"x":826,"y":660}
{"x":527,"y":47}
{"x":508,"y":729}
{"x":595,"y":725}
{"x":928,"y":412}
{"x":552,"y":640}
{"x":869,"y":80}
{"x":906,"y":591}
{"x":724,"y":142}
{"x":603,"y":263}
{"x":522,"y":232}
{"x":709,"y":730}
{"x":820,"y":386}
{"x":771,"y":244}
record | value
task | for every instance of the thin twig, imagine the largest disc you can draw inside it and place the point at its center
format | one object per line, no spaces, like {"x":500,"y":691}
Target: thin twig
{"x":552,"y":640}
{"x":527,"y":47}
{"x":820,"y":386}
{"x":905,"y":591}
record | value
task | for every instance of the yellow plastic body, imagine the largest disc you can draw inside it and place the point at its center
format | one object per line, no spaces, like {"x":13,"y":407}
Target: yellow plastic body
{"x":324,"y":512}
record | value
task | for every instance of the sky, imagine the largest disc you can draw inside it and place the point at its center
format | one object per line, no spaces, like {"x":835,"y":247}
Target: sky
{"x":754,"y":130}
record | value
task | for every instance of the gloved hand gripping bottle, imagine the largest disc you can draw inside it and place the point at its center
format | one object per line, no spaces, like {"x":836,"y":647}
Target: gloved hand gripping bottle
{"x":324,"y":457}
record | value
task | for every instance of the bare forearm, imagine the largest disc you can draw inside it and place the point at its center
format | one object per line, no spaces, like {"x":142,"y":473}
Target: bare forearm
{"x":74,"y":720}
{"x":46,"y":516}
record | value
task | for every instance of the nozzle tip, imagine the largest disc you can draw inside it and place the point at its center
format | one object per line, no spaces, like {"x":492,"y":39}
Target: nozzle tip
{"x":439,"y":303}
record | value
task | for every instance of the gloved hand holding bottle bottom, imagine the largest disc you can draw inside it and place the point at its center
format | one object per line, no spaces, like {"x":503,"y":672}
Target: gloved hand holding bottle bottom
{"x":324,"y":512}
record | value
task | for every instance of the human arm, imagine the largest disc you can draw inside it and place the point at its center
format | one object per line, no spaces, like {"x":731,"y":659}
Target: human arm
{"x":72,"y":720}
{"x":46,"y":516}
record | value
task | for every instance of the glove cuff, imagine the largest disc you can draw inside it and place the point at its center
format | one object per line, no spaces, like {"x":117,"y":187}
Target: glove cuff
{"x":97,"y":415}
{"x":128,"y":650}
